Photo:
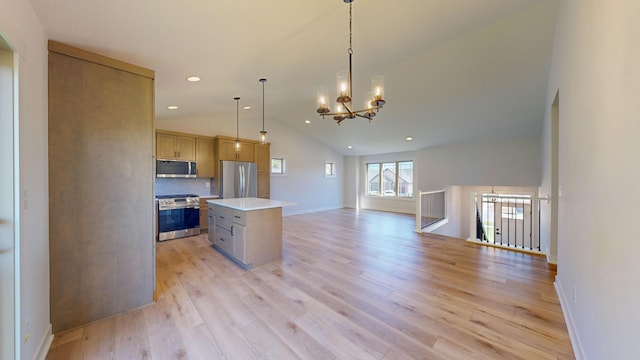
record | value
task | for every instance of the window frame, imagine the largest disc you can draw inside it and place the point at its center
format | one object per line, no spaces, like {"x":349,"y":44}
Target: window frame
{"x":283,"y":165}
{"x":381,"y":167}
{"x":333,"y":169}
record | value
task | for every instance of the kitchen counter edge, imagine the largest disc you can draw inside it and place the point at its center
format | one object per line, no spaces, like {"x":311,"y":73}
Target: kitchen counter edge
{"x":248,"y":204}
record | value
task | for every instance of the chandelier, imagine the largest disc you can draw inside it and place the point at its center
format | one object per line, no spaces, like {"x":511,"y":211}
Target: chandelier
{"x":344,"y":106}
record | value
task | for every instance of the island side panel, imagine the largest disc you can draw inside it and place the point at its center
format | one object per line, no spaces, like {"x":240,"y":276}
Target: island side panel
{"x":263,"y":236}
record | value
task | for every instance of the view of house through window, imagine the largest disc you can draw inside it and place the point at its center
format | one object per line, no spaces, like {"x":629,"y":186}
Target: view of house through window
{"x":277,"y":166}
{"x":390,"y":179}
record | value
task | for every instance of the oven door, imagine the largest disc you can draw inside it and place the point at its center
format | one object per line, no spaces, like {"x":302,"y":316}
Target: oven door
{"x":178,"y":219}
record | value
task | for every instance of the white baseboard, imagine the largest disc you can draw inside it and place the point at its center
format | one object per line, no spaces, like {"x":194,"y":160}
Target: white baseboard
{"x":45,"y":344}
{"x":552,"y":259}
{"x":578,"y":350}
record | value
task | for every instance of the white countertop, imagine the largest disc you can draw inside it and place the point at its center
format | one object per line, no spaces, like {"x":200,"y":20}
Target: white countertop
{"x":251,"y":203}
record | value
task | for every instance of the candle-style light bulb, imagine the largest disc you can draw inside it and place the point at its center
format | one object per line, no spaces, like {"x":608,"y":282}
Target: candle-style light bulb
{"x":323,"y":94}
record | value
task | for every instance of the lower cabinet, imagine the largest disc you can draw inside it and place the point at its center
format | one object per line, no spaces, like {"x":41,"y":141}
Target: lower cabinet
{"x":251,"y":238}
{"x":224,"y":239}
{"x":205,"y":213}
{"x":239,"y":243}
{"x":211,"y":220}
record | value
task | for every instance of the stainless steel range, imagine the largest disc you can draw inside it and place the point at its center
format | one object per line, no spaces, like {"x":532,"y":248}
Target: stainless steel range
{"x":178,"y":216}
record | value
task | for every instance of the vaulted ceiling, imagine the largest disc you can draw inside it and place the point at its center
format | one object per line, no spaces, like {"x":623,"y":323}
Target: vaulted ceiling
{"x":455,"y":70}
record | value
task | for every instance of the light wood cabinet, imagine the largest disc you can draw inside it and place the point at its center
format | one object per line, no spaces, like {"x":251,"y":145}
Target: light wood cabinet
{"x":263,"y":163}
{"x":204,"y":158}
{"x":175,"y":147}
{"x":227,"y":150}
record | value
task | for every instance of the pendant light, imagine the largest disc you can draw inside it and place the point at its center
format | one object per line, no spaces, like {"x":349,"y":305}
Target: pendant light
{"x":263,"y":133}
{"x":237,"y":99}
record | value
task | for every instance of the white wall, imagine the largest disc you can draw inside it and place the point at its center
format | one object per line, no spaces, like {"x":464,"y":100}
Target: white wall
{"x":304,"y":183}
{"x":512,"y":162}
{"x":455,"y":213}
{"x":461,"y":167}
{"x":351,"y":181}
{"x":21,"y":28}
{"x":596,"y":68}
{"x":549,"y":186}
{"x":401,"y":205}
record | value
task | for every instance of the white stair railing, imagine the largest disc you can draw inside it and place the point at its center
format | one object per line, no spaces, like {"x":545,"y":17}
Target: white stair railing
{"x":430,"y":208}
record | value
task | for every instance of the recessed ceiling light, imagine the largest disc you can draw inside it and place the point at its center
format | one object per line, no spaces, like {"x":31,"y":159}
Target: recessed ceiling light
{"x":307,"y":121}
{"x":409,"y":138}
{"x":193,"y":79}
{"x":172,"y":107}
{"x":247,"y":107}
{"x":349,"y":147}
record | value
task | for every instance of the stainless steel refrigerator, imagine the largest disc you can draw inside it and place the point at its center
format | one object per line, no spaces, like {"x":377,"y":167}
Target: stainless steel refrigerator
{"x":238,"y":179}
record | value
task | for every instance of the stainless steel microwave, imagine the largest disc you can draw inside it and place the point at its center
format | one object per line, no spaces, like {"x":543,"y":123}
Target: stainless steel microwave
{"x":175,"y":169}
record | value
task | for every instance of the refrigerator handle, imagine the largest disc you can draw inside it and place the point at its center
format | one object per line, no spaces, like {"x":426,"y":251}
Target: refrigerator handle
{"x":238,"y":182}
{"x":241,"y":169}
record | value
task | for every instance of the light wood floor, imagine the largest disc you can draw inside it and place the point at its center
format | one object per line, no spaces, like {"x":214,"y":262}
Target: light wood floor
{"x":351,"y":285}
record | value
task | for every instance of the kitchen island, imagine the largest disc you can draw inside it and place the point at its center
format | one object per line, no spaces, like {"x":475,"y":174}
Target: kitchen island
{"x":247,"y":230}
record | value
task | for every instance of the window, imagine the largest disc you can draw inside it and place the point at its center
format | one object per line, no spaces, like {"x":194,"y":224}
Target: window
{"x":329,"y":169}
{"x":277,"y":166}
{"x":390,"y":179}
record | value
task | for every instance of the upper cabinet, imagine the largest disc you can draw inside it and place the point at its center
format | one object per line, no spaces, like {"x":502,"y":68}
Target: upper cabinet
{"x":175,"y":147}
{"x":179,"y":146}
{"x":204,"y":158}
{"x":263,"y":163}
{"x":226,"y":149}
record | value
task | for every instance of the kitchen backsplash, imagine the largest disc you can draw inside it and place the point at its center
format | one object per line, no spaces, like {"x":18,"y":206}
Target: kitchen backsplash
{"x":176,"y":186}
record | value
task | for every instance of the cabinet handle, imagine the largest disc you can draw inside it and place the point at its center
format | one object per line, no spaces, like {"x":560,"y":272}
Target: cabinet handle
{"x":232,"y":234}
{"x":221,"y":239}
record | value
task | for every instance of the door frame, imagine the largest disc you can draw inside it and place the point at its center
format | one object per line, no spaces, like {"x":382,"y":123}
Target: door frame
{"x":9,"y":210}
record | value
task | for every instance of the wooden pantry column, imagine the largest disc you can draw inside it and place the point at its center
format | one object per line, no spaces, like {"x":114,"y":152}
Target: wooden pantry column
{"x":101,"y":202}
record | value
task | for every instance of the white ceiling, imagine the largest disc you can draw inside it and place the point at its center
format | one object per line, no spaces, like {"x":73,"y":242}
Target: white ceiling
{"x":455,"y":70}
